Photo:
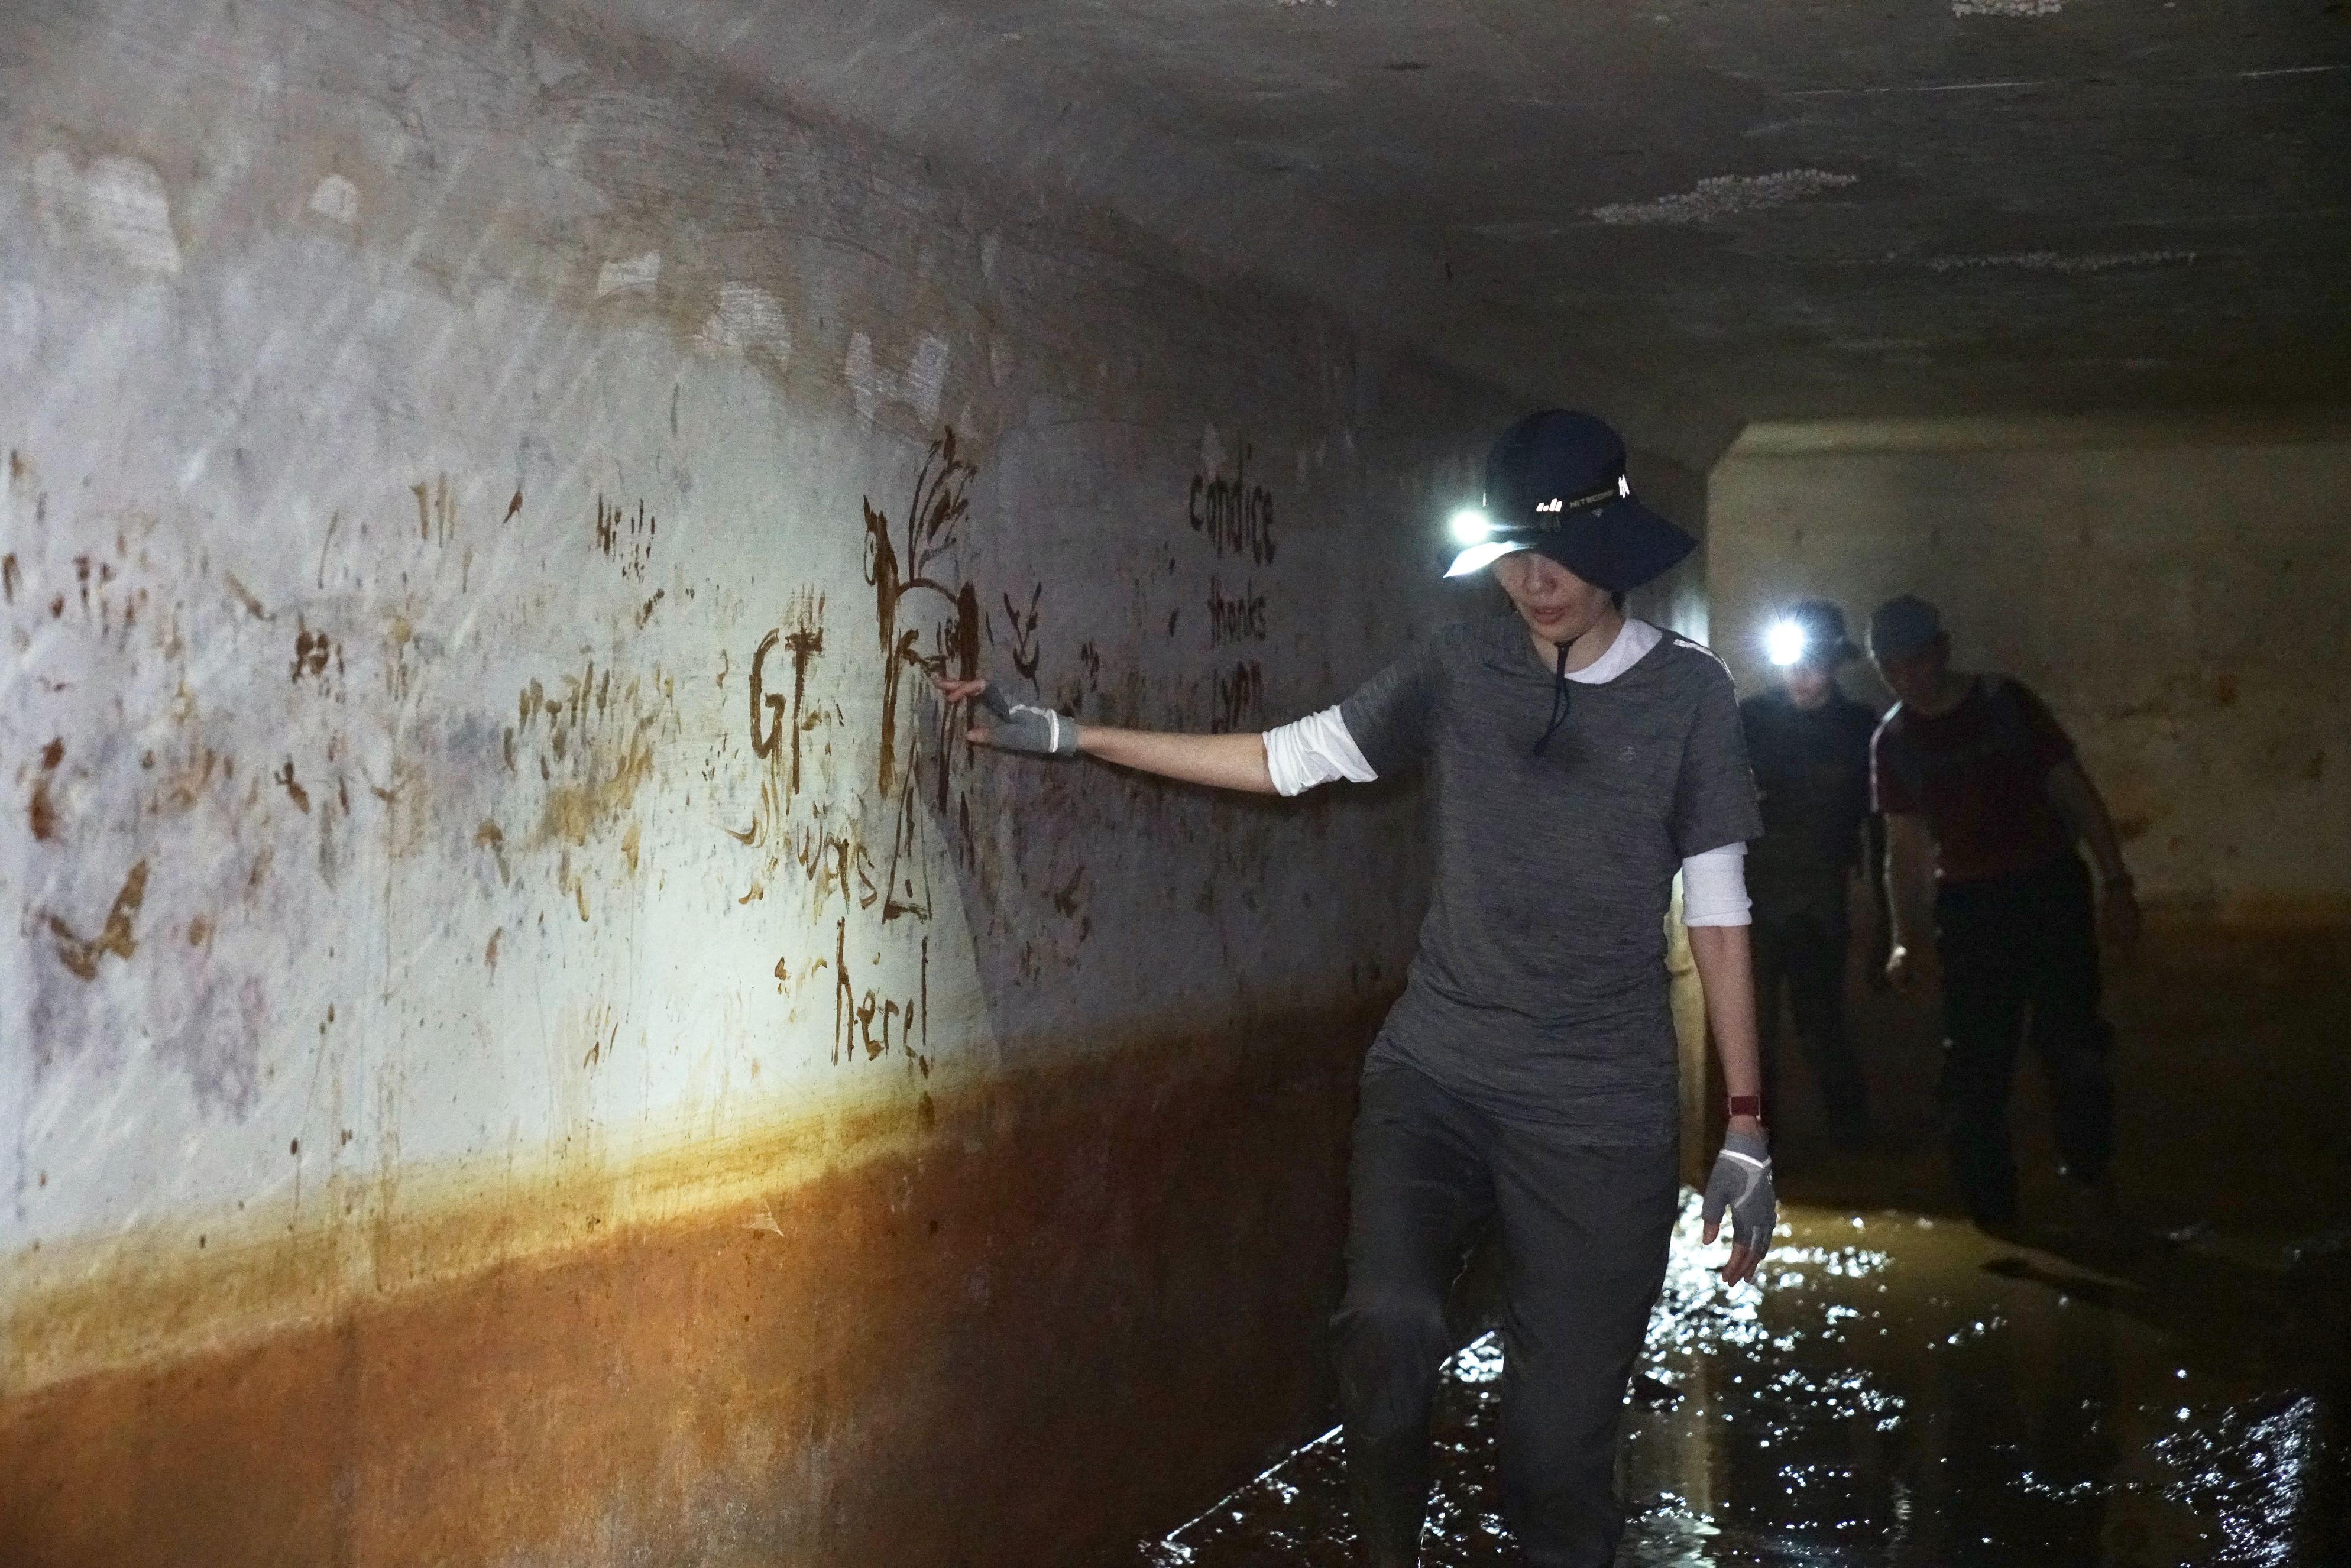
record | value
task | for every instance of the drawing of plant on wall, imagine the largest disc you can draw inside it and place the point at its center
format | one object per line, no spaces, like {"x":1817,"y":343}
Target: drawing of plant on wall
{"x":900,"y":567}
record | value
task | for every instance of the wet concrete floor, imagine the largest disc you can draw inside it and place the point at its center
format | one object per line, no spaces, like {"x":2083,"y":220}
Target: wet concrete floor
{"x":1906,"y":1390}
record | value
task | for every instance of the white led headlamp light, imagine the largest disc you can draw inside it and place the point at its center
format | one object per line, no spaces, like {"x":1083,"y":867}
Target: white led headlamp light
{"x":1484,"y":540}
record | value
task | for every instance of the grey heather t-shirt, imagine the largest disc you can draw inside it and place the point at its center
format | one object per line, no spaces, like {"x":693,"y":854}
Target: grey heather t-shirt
{"x":1539,"y":992}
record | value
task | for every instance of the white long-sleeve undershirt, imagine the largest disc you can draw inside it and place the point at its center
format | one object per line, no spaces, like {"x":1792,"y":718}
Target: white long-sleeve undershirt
{"x":1714,"y":888}
{"x":1318,"y":749}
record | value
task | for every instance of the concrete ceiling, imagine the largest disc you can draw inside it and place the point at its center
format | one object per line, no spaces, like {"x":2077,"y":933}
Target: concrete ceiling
{"x":1714,"y":211}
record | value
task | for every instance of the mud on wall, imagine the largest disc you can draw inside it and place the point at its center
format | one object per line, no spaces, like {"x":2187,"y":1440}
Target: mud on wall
{"x":480,"y":508}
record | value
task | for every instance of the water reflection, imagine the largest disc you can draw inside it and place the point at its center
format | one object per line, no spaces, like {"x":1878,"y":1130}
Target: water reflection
{"x":1909,"y":1392}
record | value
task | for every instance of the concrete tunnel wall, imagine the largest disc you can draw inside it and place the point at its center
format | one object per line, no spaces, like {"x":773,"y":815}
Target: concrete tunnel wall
{"x":2174,"y":589}
{"x":525,"y":1040}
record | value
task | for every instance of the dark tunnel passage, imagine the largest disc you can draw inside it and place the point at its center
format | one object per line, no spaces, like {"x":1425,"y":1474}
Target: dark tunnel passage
{"x":532,"y":1032}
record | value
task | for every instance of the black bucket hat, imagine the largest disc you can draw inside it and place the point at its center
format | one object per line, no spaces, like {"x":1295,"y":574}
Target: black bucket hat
{"x":1555,"y":484}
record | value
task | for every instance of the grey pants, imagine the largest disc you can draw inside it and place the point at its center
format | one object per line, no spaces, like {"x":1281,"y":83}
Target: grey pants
{"x":1585,"y":1233}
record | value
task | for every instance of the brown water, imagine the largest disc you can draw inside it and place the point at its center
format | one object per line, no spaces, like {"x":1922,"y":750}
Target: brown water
{"x":1905,"y":1390}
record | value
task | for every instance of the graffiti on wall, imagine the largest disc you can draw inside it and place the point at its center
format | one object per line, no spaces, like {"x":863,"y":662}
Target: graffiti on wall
{"x":803,"y":643}
{"x":1237,"y":617}
{"x":1236,"y":518}
{"x":626,"y":537}
{"x":1241,"y":698}
{"x":1021,"y":633}
{"x":899,"y":571}
{"x":1234,"y":515}
{"x":863,"y":857}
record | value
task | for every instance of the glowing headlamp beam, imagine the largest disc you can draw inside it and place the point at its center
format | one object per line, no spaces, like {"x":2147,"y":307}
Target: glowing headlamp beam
{"x":1784,"y":642}
{"x":1471,"y":527}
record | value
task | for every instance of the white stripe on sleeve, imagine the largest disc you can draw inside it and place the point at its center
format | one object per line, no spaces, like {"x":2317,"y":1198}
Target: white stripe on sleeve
{"x":1714,"y":888}
{"x":1315,"y":749}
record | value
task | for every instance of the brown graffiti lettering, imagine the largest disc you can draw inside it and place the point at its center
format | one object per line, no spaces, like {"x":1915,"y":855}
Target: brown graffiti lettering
{"x":867,"y":1021}
{"x":907,"y":887}
{"x":765,"y":744}
{"x":80,"y":955}
{"x":293,"y":789}
{"x":312,"y":652}
{"x":628,"y":539}
{"x":42,"y":813}
{"x":804,"y":643}
{"x":436,"y":512}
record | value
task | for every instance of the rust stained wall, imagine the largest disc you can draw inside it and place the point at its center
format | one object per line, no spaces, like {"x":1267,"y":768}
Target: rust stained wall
{"x":1052,"y":1316}
{"x":504,"y":963}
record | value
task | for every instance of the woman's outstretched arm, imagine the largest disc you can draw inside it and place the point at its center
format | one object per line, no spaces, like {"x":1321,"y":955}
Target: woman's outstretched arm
{"x":1222,"y":761}
{"x":1226,"y":761}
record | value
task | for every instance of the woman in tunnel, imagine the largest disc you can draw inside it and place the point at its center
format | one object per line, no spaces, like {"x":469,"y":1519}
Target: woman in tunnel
{"x":1527,"y":1074}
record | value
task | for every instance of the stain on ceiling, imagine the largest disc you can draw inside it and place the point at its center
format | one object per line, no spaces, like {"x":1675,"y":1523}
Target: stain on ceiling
{"x":1700,"y":212}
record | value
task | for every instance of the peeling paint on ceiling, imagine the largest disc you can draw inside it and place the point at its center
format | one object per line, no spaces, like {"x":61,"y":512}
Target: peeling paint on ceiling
{"x":2007,"y":7}
{"x":1723,"y":196}
{"x":2050,"y":261}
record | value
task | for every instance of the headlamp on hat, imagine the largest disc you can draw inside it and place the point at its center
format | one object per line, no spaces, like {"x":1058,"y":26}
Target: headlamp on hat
{"x":1471,"y":527}
{"x":1810,"y":632}
{"x":1555,"y":484}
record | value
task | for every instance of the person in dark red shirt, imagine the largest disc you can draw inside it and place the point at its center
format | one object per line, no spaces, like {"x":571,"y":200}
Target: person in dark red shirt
{"x":1982,"y":795}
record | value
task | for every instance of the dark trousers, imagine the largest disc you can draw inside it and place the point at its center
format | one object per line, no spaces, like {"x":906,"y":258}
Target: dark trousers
{"x":1801,"y":949}
{"x":1583,"y":1233}
{"x":2012,"y":947}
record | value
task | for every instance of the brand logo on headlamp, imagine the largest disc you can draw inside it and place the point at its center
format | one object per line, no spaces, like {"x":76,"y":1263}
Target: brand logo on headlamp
{"x":1618,"y":489}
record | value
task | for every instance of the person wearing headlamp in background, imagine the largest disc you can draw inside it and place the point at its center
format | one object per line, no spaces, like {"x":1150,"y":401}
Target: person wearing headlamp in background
{"x":1810,"y":746}
{"x":1985,"y":802}
{"x":1527,"y":1074}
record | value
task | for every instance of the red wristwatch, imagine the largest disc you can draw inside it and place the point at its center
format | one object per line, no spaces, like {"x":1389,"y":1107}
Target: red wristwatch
{"x":1747,"y":1105}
